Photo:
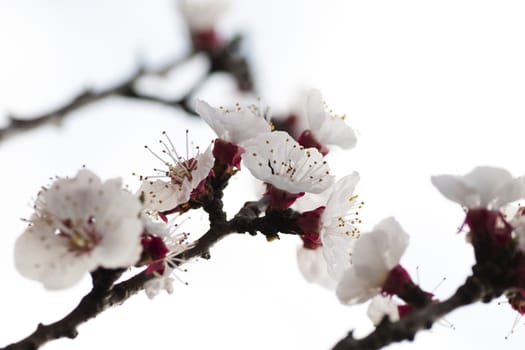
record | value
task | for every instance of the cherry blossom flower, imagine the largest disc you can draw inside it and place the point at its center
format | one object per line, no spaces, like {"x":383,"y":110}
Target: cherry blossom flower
{"x":375,"y":264}
{"x":484,"y":191}
{"x":334,"y":226}
{"x":79,"y":224}
{"x":339,"y":225}
{"x":184,"y":175}
{"x":235,"y":126}
{"x":162,"y":247}
{"x":276,"y":158}
{"x":324,"y":128}
{"x":202,"y":17}
{"x":483,"y":187}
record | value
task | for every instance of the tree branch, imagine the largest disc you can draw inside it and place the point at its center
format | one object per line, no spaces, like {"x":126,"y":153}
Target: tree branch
{"x":105,"y":295}
{"x":224,"y":59}
{"x":387,"y":332}
{"x":17,"y":124}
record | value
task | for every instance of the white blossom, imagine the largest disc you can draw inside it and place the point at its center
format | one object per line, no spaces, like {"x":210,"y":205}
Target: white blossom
{"x":374,"y":255}
{"x":183,"y":176}
{"x":79,"y":224}
{"x":339,"y":225}
{"x":235,"y":126}
{"x":327,"y":128}
{"x":276,"y":158}
{"x":483,"y":187}
{"x":165,"y":267}
{"x":202,"y":15}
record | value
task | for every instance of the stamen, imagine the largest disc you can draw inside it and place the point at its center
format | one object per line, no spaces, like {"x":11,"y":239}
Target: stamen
{"x":514,"y":324}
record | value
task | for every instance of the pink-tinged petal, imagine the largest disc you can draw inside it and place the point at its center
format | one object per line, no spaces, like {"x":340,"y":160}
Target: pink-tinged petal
{"x":454,"y":188}
{"x":352,"y":289}
{"x":313,"y":267}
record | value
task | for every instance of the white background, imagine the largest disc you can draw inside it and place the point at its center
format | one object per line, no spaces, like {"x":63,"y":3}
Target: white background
{"x":432,"y":87}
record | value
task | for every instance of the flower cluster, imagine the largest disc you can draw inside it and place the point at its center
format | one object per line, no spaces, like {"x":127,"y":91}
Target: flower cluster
{"x":497,"y":236}
{"x":81,"y":224}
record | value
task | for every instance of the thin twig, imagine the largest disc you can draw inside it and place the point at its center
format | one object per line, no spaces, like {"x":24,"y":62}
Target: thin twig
{"x":18,"y":124}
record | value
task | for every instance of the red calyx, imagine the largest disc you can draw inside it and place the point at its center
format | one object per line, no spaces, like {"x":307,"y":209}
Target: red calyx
{"x":228,"y":153}
{"x":280,"y":199}
{"x":396,"y":281}
{"x":310,"y":224}
{"x":307,"y":139}
{"x":155,"y":248}
{"x":489,"y":224}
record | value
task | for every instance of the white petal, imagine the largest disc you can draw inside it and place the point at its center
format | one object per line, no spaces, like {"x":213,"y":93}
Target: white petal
{"x":337,"y":251}
{"x":202,"y":15}
{"x":454,"y":188}
{"x":353,"y":290}
{"x":487,"y":181}
{"x":120,"y":247}
{"x":510,"y":192}
{"x":335,"y":131}
{"x":43,"y":256}
{"x":313,"y":267}
{"x":396,"y":239}
{"x":212,"y":116}
{"x":339,"y":201}
{"x":315,"y":110}
{"x":380,"y":307}
{"x":161,"y":195}
{"x":205,"y":163}
{"x":233,"y":126}
{"x":71,"y":197}
{"x":276,"y":158}
{"x":368,"y":258}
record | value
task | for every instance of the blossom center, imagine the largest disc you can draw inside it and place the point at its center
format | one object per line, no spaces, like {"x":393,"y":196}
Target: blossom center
{"x":182,"y":171}
{"x":82,"y":237}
